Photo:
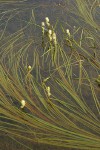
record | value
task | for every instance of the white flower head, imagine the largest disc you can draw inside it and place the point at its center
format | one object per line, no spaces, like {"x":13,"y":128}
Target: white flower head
{"x":29,"y":67}
{"x":50,"y":32}
{"x":43,"y":24}
{"x":54,"y":38}
{"x":68,"y":32}
{"x":48,"y":91}
{"x":47,"y":19}
{"x":50,"y":35}
{"x":23,"y":103}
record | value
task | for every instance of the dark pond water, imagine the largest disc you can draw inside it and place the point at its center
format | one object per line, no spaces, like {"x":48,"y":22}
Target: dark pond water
{"x":15,"y":16}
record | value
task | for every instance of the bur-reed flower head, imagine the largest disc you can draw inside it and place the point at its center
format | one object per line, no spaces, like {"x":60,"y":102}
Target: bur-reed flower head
{"x":68,"y":32}
{"x":43,"y":27}
{"x":48,"y":91}
{"x":50,"y":35}
{"x":50,"y":32}
{"x":29,"y":67}
{"x":43,"y":24}
{"x":54,"y":38}
{"x":23,"y":103}
{"x":46,"y":19}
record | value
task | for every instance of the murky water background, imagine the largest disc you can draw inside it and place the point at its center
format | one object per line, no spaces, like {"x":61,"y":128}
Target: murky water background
{"x":15,"y":16}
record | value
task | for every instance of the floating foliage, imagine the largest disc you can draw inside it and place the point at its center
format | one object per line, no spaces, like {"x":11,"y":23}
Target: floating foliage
{"x":51,"y":97}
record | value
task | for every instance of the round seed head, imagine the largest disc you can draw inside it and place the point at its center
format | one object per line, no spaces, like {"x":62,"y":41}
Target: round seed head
{"x":43,"y":24}
{"x":50,"y":32}
{"x":68,"y":32}
{"x":29,"y":67}
{"x":23,"y":103}
{"x":47,"y":19}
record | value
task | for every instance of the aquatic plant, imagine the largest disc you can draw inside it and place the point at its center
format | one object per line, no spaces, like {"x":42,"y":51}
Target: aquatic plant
{"x":52,"y":98}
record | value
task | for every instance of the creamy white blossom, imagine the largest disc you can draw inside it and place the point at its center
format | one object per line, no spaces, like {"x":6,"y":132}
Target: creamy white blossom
{"x":23,"y":103}
{"x":68,"y":32}
{"x":29,"y":67}
{"x":43,"y":27}
{"x":50,"y":32}
{"x":43,"y":24}
{"x":48,"y":91}
{"x":47,"y":19}
{"x":54,"y":38}
{"x":50,"y":35}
